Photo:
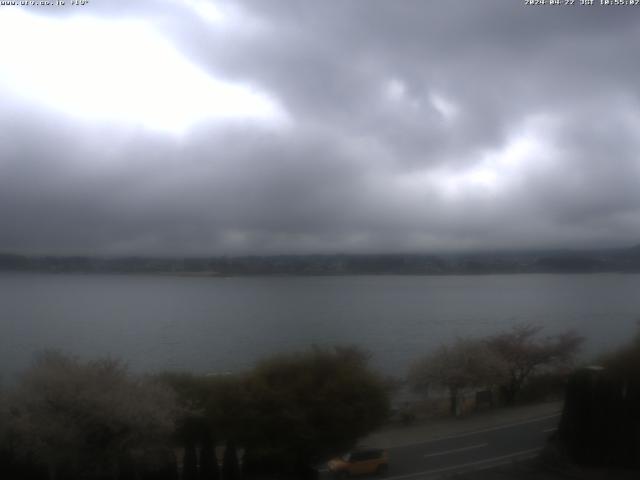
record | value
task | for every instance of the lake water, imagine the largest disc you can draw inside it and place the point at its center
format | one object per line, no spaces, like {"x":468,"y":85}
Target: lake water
{"x":225,"y":324}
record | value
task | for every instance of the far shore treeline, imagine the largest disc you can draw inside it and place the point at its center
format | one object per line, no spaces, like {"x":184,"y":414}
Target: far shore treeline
{"x":548,"y":261}
{"x":66,"y":418}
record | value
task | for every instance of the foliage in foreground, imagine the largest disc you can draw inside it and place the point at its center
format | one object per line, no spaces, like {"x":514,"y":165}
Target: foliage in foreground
{"x":291,"y":410}
{"x":86,"y":420}
{"x":464,"y":364}
{"x":304,"y":407}
{"x":507,"y":360}
{"x":524,"y":352}
{"x":95,"y":420}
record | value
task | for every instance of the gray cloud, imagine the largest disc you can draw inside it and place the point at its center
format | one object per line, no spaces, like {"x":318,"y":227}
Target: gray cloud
{"x":403,"y":121}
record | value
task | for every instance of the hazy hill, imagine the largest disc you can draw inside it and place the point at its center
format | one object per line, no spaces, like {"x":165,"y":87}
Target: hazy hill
{"x":566,"y":261}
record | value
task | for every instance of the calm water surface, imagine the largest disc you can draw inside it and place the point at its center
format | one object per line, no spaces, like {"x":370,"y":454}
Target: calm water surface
{"x":225,"y":324}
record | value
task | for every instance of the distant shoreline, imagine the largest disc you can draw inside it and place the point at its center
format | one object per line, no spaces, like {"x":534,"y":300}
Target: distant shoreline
{"x":313,"y":275}
{"x":624,"y":260}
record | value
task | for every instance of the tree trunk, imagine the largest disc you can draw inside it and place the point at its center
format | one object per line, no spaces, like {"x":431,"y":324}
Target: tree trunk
{"x":52,"y":472}
{"x":510,"y":391}
{"x":190,"y":463}
{"x":230,"y":464}
{"x":115,"y":471}
{"x":208,"y":460}
{"x":453,"y":405}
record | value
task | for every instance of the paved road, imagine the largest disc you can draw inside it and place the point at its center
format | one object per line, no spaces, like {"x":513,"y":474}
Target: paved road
{"x":472,"y":450}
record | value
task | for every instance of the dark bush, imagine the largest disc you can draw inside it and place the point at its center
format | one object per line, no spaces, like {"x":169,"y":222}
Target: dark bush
{"x":600,"y":423}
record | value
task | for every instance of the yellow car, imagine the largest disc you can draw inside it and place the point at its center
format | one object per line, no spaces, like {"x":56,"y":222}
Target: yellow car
{"x":360,"y":462}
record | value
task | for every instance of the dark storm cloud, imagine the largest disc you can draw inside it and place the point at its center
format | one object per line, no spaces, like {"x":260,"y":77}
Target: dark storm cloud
{"x":404,"y":123}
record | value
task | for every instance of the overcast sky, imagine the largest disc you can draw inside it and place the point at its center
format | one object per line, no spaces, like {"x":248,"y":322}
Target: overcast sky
{"x":228,"y":127}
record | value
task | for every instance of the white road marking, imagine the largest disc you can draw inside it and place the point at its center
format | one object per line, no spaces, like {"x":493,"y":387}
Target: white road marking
{"x":446,"y":452}
{"x":486,"y":463}
{"x":547,"y":430}
{"x":490,"y":429}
